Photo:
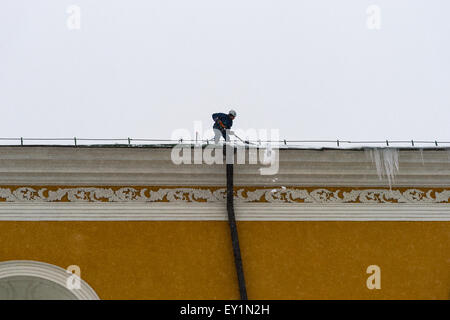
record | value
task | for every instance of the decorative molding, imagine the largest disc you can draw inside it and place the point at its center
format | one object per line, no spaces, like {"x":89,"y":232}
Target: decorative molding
{"x":34,"y":203}
{"x":46,"y":271}
{"x":293,"y":195}
{"x":179,"y":211}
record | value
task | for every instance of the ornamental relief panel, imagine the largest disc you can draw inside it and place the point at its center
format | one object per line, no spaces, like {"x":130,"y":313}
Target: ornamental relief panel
{"x":218,"y":194}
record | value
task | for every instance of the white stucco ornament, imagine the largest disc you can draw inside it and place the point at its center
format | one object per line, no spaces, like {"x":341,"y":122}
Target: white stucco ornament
{"x":244,"y":195}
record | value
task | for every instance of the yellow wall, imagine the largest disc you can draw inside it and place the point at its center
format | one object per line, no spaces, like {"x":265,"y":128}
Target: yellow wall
{"x":282,"y":260}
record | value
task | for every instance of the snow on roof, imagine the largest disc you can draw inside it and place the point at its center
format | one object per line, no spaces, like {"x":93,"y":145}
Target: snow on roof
{"x":282,"y":144}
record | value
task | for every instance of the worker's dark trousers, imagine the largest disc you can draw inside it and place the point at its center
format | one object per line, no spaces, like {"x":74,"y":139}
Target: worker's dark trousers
{"x":220,"y":132}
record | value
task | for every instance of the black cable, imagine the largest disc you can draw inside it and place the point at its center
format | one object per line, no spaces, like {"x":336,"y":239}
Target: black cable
{"x":234,"y":232}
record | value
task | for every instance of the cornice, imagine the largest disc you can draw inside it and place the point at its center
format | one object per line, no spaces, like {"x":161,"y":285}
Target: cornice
{"x":153,"y":166}
{"x":43,"y":183}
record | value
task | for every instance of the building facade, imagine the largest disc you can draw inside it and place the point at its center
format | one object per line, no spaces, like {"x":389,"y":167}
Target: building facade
{"x":330,"y":224}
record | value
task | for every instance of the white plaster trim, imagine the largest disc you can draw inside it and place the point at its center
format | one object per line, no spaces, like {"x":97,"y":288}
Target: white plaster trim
{"x":45,"y":271}
{"x":217,"y":211}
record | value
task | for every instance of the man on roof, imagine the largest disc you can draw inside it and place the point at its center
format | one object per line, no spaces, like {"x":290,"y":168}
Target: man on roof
{"x":222,"y":123}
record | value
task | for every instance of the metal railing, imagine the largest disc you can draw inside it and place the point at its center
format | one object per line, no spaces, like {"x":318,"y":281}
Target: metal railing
{"x":139,"y":141}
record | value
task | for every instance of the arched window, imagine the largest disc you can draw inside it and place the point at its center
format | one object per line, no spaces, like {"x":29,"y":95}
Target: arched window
{"x":33,"y":280}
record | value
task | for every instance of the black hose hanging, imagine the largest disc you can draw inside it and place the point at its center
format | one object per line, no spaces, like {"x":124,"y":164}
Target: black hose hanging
{"x":234,"y":232}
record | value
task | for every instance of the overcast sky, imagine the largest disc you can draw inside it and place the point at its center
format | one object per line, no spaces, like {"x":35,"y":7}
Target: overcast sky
{"x":312,"y":69}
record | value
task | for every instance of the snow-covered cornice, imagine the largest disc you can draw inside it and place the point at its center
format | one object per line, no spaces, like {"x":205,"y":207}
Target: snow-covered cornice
{"x":99,"y":183}
{"x":103,"y":166}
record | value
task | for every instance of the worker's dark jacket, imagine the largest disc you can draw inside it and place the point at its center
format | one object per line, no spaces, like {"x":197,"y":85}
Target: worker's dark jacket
{"x":226,"y":120}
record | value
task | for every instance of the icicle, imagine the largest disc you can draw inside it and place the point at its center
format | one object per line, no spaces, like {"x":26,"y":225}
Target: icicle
{"x":386,"y":163}
{"x":375,"y":156}
{"x":421,"y":155}
{"x":390,"y":157}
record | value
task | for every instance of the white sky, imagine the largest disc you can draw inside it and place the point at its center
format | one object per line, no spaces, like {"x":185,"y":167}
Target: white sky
{"x":142,"y":69}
